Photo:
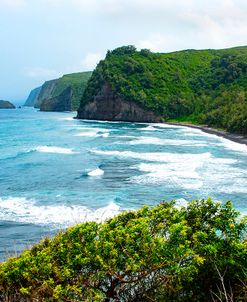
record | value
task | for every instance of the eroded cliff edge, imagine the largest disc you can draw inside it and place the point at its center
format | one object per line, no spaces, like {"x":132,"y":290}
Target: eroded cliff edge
{"x":107,"y":106}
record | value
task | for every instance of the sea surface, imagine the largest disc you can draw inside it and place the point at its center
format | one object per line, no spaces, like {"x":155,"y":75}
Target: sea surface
{"x":56,"y":171}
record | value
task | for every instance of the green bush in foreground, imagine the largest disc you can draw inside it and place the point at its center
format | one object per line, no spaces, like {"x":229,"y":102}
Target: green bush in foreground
{"x":163,"y":253}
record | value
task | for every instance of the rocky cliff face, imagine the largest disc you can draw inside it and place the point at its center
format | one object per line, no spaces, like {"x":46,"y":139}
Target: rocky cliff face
{"x":62,"y":102}
{"x":6,"y":105}
{"x":45,"y":92}
{"x":32,"y":98}
{"x":107,"y":106}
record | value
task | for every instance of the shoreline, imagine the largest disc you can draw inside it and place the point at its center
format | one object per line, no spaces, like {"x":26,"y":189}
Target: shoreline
{"x":237,"y":138}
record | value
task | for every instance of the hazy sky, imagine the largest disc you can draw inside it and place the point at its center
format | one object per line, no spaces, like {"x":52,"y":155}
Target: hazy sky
{"x":43,"y":39}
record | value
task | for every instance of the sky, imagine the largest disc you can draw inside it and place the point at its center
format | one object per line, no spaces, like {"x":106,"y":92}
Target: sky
{"x":44,"y":39}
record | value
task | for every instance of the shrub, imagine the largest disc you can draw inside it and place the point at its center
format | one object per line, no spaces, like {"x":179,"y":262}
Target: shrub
{"x":162,"y":253}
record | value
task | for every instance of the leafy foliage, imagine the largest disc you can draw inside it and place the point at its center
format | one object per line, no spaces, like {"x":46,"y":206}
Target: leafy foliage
{"x":164,"y":253}
{"x":209,"y":86}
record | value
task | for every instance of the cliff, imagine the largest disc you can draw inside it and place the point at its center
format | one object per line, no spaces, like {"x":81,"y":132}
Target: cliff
{"x":62,"y":102}
{"x":32,"y":98}
{"x":45,"y":92}
{"x":199,"y":86}
{"x":77,"y":82}
{"x":108,"y":106}
{"x":6,"y":105}
{"x":54,"y":91}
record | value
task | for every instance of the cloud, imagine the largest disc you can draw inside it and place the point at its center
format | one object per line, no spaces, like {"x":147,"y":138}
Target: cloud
{"x":91,"y":60}
{"x":13,"y":4}
{"x":156,"y":42}
{"x":41,"y":73}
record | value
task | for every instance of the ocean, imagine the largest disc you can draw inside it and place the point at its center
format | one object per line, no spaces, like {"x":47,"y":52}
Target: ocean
{"x":56,"y":171}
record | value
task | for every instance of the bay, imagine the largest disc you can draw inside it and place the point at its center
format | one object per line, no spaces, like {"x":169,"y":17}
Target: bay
{"x":56,"y":171}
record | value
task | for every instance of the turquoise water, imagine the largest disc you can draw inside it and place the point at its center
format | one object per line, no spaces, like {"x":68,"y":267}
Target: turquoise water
{"x":56,"y":171}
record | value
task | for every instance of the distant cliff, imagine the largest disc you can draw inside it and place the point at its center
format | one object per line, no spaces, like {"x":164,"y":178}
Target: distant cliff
{"x":32,"y":98}
{"x":199,"y":86}
{"x":62,"y":102}
{"x":45,"y":92}
{"x":6,"y":105}
{"x":62,"y":94}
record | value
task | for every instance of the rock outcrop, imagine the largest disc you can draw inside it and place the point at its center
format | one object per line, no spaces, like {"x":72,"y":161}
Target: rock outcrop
{"x":32,"y":98}
{"x":6,"y":105}
{"x":62,"y":102}
{"x":107,"y":106}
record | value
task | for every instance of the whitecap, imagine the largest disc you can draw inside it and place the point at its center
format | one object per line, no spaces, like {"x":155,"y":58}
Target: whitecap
{"x":93,"y":133}
{"x":181,"y":202}
{"x":181,"y":174}
{"x":96,"y":172}
{"x":52,"y":149}
{"x":67,"y":119}
{"x":143,"y":140}
{"x":22,"y":210}
{"x":155,"y":156}
{"x":148,"y":128}
{"x":234,"y":146}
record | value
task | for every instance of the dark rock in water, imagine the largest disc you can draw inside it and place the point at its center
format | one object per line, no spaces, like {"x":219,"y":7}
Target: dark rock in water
{"x":107,"y":106}
{"x":62,"y":102}
{"x":6,"y":105}
{"x":33,"y":96}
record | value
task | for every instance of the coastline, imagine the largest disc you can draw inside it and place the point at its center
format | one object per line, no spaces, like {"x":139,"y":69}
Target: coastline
{"x":237,"y":138}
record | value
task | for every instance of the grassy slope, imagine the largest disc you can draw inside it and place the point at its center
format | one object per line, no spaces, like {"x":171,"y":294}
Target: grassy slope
{"x":78,"y":83}
{"x":204,"y":86}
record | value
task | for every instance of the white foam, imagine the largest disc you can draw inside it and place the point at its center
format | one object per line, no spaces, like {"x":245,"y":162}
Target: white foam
{"x":181,"y":174}
{"x":155,"y":156}
{"x":67,"y":119}
{"x":87,"y":134}
{"x":50,"y":149}
{"x":93,"y":132}
{"x":181,"y":202}
{"x":23,"y":210}
{"x":148,"y":128}
{"x":96,"y":172}
{"x":160,"y":125}
{"x":143,"y":140}
{"x":226,"y":143}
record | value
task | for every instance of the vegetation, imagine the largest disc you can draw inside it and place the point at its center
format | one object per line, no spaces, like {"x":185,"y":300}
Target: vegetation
{"x":163,"y":253}
{"x":203,"y":86}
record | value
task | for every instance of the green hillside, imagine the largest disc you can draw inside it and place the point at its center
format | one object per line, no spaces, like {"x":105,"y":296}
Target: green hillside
{"x":164,"y":253}
{"x":77,"y":81}
{"x":200,"y":86}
